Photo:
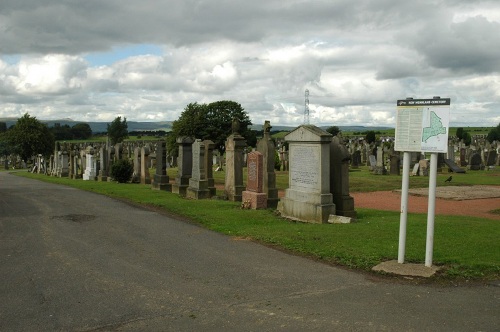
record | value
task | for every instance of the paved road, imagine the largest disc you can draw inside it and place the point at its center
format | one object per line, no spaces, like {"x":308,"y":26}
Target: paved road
{"x":76,"y":261}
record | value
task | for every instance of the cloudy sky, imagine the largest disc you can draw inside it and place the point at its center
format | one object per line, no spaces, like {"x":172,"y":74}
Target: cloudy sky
{"x":145,"y":60}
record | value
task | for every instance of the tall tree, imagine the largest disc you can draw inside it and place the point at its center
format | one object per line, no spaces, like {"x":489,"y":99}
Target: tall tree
{"x":29,"y":137}
{"x":81,"y":131}
{"x":118,"y":130}
{"x":334,"y":130}
{"x":494,"y":134}
{"x":370,"y":136}
{"x":210,"y":121}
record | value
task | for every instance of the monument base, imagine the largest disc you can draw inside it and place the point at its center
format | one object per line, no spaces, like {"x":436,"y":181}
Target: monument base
{"x":255,"y":200}
{"x":179,"y":189}
{"x":236,"y":194}
{"x":306,"y":206}
{"x":198,"y":189}
{"x":345,"y":207}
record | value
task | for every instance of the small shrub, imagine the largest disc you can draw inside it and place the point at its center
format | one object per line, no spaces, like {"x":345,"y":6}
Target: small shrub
{"x":122,"y":170}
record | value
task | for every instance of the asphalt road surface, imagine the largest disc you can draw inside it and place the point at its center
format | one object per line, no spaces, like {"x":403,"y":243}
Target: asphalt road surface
{"x":77,"y":261}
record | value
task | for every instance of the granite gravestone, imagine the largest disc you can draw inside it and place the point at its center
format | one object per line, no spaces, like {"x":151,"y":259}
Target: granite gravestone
{"x":235,"y":144}
{"x":267,"y":149}
{"x":184,"y":164}
{"x":254,"y":194}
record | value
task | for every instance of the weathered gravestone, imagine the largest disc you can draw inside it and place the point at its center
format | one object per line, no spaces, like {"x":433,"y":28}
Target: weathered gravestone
{"x":161,"y":179}
{"x":136,"y":174}
{"x":90,"y":172}
{"x":64,"y":163}
{"x":339,"y":179}
{"x":356,"y":159}
{"x":235,"y":144}
{"x":308,"y":197}
{"x":373,"y":162}
{"x":380,"y":166}
{"x":254,"y":196}
{"x":395,"y":164}
{"x":267,"y":149}
{"x":491,"y":158}
{"x":102,"y":175}
{"x":184,"y":164}
{"x":423,"y":167}
{"x":145,"y":176}
{"x":463,"y":159}
{"x":209,"y":164}
{"x":475,"y":162}
{"x":198,"y":183}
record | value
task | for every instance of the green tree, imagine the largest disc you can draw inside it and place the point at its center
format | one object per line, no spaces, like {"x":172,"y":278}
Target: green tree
{"x":460,"y":133}
{"x":467,"y":138}
{"x":61,"y":133}
{"x":29,"y":137}
{"x":334,"y":130}
{"x":81,"y":131}
{"x":494,"y":134}
{"x":117,"y":130}
{"x":370,"y":136}
{"x":210,"y":121}
{"x":3,"y":127}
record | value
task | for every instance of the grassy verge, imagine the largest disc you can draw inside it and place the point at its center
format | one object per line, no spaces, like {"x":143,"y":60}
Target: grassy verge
{"x":467,"y":247}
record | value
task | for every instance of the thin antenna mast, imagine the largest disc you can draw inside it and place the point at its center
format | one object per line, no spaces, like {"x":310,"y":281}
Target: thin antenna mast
{"x":306,"y":108}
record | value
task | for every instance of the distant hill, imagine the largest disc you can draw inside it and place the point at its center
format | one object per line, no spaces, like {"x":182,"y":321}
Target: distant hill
{"x":342,"y":128}
{"x":102,"y":127}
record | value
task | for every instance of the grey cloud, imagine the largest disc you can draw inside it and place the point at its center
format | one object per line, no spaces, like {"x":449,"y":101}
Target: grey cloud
{"x":469,"y":46}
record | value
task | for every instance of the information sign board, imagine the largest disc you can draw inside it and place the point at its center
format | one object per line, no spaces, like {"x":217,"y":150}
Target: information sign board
{"x":422,"y":125}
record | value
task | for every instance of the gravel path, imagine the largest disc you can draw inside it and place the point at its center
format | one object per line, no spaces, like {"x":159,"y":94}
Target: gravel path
{"x":460,"y":201}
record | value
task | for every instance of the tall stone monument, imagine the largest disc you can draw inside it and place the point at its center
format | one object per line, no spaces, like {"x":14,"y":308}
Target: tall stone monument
{"x":161,"y":179}
{"x":267,"y":149}
{"x":235,"y":144}
{"x":90,"y":172}
{"x":145,"y":176}
{"x":209,"y":163}
{"x":255,"y":196}
{"x":198,"y":183}
{"x":339,"y":179}
{"x":184,"y":165}
{"x":308,"y":197}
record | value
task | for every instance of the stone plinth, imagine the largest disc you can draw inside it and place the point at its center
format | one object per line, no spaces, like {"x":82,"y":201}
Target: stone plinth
{"x":90,"y":172}
{"x":308,"y":198}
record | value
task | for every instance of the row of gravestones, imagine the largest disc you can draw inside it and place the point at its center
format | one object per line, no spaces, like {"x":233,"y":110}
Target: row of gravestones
{"x":318,"y":171}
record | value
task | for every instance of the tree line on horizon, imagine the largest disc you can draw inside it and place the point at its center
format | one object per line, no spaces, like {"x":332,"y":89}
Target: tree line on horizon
{"x":213,"y":121}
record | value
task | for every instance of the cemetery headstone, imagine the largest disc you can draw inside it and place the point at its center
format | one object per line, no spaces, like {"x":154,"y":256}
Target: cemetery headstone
{"x":198,"y":183}
{"x":339,"y":179}
{"x":266,"y":147}
{"x":235,"y":144}
{"x":136,"y":174}
{"x":184,"y":164}
{"x":161,"y":180}
{"x":145,"y":176}
{"x":254,"y":194}
{"x":90,"y":172}
{"x":475,"y":162}
{"x":308,"y":197}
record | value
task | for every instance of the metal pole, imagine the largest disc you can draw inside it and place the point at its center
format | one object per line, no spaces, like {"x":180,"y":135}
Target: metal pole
{"x":404,"y":207}
{"x":429,"y":247}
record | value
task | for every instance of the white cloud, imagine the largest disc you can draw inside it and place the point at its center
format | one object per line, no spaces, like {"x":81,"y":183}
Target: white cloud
{"x":356,"y":58}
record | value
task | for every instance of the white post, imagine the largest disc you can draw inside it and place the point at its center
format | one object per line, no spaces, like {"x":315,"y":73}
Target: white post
{"x":429,"y":247}
{"x":404,"y":207}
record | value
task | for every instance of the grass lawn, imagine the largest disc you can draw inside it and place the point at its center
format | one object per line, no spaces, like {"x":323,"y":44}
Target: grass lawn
{"x":467,"y":248}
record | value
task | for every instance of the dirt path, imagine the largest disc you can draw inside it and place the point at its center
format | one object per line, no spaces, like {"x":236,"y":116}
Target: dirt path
{"x":391,"y":201}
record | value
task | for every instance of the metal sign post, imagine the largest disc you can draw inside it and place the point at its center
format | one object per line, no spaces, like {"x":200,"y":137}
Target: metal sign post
{"x":422,"y":125}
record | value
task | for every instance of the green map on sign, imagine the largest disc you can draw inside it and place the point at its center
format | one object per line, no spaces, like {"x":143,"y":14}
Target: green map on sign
{"x":435,"y":129}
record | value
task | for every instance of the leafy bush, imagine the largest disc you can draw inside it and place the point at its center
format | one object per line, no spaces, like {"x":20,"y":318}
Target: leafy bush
{"x":122,"y":170}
